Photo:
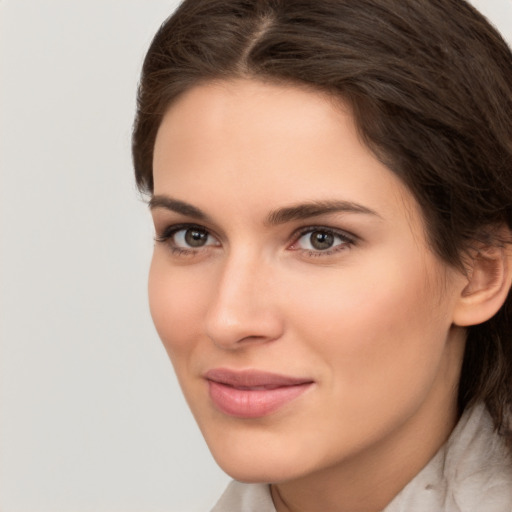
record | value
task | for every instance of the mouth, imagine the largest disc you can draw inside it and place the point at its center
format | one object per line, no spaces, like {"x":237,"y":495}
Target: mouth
{"x":251,"y":393}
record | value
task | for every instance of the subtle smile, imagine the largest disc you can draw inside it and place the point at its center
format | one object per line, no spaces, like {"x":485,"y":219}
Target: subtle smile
{"x":252,"y":394}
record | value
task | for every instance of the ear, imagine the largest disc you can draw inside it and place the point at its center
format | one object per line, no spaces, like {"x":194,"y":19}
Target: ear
{"x":489,"y":278}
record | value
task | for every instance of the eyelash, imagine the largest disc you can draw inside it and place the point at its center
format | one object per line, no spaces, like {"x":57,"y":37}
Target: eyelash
{"x":347,"y":240}
{"x":166,"y":237}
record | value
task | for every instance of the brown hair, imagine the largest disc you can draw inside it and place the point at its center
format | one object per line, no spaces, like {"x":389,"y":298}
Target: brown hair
{"x":430,"y":84}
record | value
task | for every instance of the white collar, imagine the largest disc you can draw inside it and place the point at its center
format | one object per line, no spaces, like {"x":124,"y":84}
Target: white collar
{"x":471,"y":472}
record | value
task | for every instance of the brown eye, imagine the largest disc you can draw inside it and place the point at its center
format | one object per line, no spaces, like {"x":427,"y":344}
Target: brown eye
{"x":321,"y":240}
{"x":195,"y":237}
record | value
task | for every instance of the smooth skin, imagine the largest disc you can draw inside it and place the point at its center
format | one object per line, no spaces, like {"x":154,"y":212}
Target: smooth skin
{"x":284,"y":245}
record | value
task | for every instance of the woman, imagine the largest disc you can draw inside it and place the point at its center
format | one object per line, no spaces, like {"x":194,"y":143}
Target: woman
{"x":331,"y":187}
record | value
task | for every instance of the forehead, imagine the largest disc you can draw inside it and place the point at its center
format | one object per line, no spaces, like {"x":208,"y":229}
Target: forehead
{"x":257,"y":145}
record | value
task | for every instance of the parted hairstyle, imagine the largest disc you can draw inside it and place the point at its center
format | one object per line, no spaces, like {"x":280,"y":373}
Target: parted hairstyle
{"x":430,"y":86}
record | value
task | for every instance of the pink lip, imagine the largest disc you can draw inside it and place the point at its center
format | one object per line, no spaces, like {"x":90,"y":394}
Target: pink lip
{"x":252,"y":393}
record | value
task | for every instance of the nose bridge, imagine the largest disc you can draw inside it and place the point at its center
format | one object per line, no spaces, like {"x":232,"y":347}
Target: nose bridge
{"x":242,"y":307}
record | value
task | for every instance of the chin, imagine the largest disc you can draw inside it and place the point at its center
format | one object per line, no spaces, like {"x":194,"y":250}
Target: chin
{"x":255,"y":472}
{"x":261,"y":459}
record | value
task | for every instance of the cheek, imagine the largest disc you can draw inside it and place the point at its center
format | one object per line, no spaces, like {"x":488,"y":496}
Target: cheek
{"x":175,"y":306}
{"x":376,"y":330}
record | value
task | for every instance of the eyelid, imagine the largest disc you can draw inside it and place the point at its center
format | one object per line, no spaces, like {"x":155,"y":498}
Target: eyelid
{"x":349,"y":239}
{"x":328,"y":229}
{"x":169,"y":231}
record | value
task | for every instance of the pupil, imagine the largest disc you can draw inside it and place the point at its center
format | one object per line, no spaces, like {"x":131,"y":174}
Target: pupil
{"x":195,"y":238}
{"x":321,"y":240}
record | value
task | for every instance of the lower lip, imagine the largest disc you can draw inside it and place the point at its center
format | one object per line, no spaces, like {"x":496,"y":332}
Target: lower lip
{"x":246,"y":403}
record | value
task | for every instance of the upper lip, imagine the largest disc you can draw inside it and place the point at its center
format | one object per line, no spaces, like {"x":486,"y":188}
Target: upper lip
{"x":253,"y":378}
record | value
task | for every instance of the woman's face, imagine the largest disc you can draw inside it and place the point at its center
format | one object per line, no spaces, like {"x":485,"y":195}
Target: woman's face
{"x":309,"y":324}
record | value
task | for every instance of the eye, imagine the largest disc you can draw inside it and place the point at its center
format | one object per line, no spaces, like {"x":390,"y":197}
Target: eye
{"x":320,"y":240}
{"x":183,"y":238}
{"x":192,"y":238}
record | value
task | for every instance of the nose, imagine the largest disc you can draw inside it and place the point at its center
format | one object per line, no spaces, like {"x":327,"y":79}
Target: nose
{"x":244,"y":307}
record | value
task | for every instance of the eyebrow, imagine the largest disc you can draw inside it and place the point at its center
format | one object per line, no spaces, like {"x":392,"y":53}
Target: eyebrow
{"x":174,"y":205}
{"x":315,"y":208}
{"x":296,"y":212}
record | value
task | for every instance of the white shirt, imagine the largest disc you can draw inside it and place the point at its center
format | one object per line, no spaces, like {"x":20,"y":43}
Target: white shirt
{"x":472,"y":472}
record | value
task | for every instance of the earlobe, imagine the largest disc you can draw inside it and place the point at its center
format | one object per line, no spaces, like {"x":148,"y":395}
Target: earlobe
{"x":489,"y":278}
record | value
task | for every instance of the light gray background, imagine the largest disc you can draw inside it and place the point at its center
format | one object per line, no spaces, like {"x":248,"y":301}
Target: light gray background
{"x":91,"y":415}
